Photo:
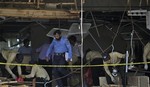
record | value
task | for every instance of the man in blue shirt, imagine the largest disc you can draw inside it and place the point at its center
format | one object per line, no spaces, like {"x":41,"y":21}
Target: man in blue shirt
{"x":59,"y":46}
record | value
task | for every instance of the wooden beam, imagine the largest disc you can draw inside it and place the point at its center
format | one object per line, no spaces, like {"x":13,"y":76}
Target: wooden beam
{"x":41,"y":3}
{"x":40,"y":14}
{"x":8,"y":82}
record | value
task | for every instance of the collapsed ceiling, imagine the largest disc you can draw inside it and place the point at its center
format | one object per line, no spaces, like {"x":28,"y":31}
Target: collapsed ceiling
{"x":17,"y":14}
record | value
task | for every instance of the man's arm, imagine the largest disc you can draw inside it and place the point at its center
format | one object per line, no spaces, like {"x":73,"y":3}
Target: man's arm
{"x":39,"y":49}
{"x":20,"y":50}
{"x":145,"y":53}
{"x":10,"y":59}
{"x":88,"y":57}
{"x":117,"y":54}
{"x":108,"y":71}
{"x":120,"y":55}
{"x":33,"y":72}
{"x":69,"y":49}
{"x":50,"y":48}
{"x":19,"y":70}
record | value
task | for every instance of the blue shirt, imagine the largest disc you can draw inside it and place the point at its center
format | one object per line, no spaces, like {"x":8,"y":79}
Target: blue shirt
{"x":25,"y":50}
{"x":43,"y":49}
{"x":61,"y":46}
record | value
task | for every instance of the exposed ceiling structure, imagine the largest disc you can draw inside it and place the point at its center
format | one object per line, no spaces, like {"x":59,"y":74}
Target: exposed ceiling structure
{"x":16,"y":14}
{"x":38,"y":9}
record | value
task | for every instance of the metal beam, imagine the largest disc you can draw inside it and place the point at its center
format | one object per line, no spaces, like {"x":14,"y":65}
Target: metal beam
{"x":40,"y":14}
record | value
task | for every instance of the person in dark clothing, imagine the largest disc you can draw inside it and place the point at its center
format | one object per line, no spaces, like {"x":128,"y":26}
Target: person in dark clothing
{"x":97,"y":71}
{"x":95,"y":57}
{"x":42,"y":57}
{"x":4,"y":72}
{"x":114,"y":58}
{"x":26,"y":52}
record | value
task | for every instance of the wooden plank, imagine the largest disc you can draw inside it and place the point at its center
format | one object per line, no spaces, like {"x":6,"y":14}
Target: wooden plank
{"x":8,"y":82}
{"x":20,"y":86}
{"x":32,"y":3}
{"x":40,"y":14}
{"x":3,"y":78}
{"x":133,"y":81}
{"x":139,"y":81}
{"x":4,"y":85}
{"x":113,"y":85}
{"x":103,"y":82}
{"x":14,"y":86}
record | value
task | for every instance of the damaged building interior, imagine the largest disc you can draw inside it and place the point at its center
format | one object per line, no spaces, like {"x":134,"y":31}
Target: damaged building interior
{"x":74,"y":43}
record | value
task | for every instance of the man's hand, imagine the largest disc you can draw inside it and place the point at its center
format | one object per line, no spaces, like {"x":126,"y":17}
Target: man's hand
{"x":69,"y":62}
{"x":47,"y":59}
{"x":145,"y":66}
{"x":14,"y":76}
{"x":113,"y":79}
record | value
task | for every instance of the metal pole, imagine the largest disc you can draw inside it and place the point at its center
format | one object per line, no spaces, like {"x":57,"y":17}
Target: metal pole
{"x":126,"y":69}
{"x":81,"y":27}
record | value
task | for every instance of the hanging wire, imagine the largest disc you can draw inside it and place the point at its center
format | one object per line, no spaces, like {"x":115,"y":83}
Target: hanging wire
{"x":112,"y":48}
{"x":116,"y":34}
{"x":136,"y":31}
{"x":112,"y":51}
{"x":147,"y":1}
{"x":131,"y":44}
{"x":118,"y":28}
{"x":141,"y":29}
{"x":43,"y":26}
{"x":96,"y":42}
{"x":140,"y":4}
{"x":113,"y":54}
{"x":131,"y":40}
{"x":139,"y":38}
{"x":95,"y":24}
{"x":128,"y":2}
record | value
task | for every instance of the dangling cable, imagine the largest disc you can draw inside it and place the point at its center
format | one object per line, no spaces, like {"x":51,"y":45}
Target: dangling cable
{"x":140,"y":4}
{"x":112,"y":48}
{"x":142,"y":29}
{"x":139,"y":38}
{"x":132,"y":53}
{"x":112,"y":52}
{"x":131,"y":40}
{"x":96,"y":42}
{"x":147,"y":1}
{"x":95,"y":24}
{"x":131,"y":44}
{"x":116,"y":34}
